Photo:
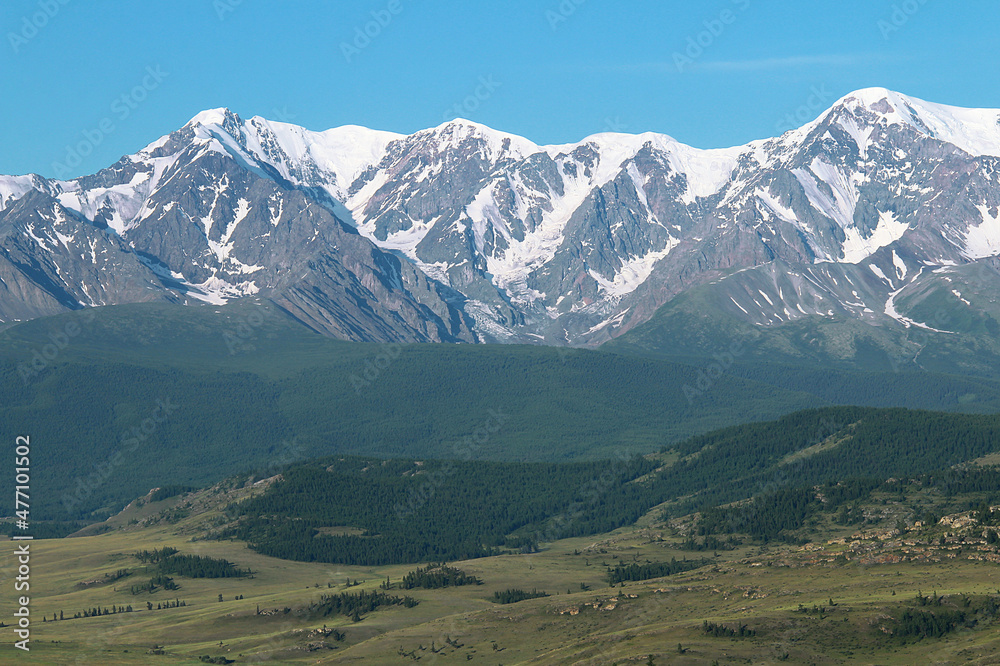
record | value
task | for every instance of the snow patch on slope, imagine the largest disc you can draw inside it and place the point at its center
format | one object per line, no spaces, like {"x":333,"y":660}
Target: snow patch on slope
{"x":857,"y":248}
{"x":861,"y":136}
{"x":841,"y":205}
{"x":613,"y":322}
{"x":900,"y":266}
{"x":514,"y":266}
{"x":890,"y":310}
{"x":406,"y":240}
{"x":983,"y":240}
{"x":633,"y":272}
{"x":217,"y":291}
{"x":341,"y":153}
{"x":223,"y":247}
{"x":878,"y":272}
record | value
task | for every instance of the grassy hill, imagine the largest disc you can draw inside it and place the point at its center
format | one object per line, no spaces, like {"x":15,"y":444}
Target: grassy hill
{"x":899,"y":571}
{"x":693,"y":325}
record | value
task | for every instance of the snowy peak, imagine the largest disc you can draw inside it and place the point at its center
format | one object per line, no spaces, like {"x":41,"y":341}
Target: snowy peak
{"x":330,"y":160}
{"x":705,"y":172}
{"x":878,"y":169}
{"x":507,"y":240}
{"x":13,"y":188}
{"x":975,"y":131}
{"x":220,"y":117}
{"x":496,"y":144}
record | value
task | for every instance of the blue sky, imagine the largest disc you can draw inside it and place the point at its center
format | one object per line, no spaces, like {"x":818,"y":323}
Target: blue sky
{"x":115,"y":76}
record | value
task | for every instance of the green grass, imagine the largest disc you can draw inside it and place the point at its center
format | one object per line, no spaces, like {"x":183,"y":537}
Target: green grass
{"x":760,"y":587}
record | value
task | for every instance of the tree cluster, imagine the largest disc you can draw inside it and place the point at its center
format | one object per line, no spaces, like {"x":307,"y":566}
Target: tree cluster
{"x":515,"y":595}
{"x":435,"y":576}
{"x":637,"y":572}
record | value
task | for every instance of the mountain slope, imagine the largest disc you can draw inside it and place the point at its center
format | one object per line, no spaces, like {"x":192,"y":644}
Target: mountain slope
{"x":248,"y":385}
{"x":464,"y":233}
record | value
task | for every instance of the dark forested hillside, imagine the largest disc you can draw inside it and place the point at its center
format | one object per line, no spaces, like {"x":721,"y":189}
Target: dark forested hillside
{"x":371,"y":512}
{"x":127,"y":403}
{"x":826,"y":444}
{"x":411,"y":511}
{"x":143,"y":397}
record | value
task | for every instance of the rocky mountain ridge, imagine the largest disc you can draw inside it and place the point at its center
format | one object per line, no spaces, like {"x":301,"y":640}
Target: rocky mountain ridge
{"x":461,"y":233}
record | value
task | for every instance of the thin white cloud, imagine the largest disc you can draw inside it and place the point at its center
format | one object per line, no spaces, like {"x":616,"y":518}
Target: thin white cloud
{"x":794,"y":62}
{"x":751,"y":65}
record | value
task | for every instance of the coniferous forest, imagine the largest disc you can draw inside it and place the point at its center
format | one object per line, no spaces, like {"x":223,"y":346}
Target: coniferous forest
{"x":436,"y":510}
{"x":371,"y":512}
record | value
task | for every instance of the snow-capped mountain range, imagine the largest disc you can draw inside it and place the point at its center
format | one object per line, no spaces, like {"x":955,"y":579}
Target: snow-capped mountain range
{"x":464,"y":233}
